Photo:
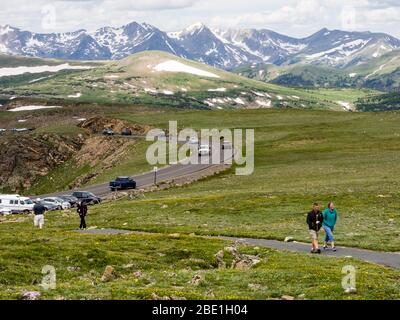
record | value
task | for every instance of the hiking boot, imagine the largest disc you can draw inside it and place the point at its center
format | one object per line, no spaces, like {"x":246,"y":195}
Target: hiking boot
{"x":334,"y":249}
{"x":318,"y":251}
{"x":325,"y":247}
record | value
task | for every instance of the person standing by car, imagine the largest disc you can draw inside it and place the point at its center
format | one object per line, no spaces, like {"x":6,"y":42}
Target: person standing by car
{"x":82,"y":211}
{"x":330,"y":219}
{"x":38,"y":211}
{"x":314,"y":221}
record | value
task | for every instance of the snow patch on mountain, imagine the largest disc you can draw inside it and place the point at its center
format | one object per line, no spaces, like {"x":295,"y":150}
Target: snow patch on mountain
{"x":175,"y":66}
{"x":5,"y":72}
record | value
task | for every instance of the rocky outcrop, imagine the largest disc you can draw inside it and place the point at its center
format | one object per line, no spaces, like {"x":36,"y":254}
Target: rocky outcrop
{"x":25,"y":158}
{"x":98,"y":124}
{"x":100,"y":153}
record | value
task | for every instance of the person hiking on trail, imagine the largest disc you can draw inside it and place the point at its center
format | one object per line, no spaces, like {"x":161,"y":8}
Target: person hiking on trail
{"x":314,"y":221}
{"x":38,"y":211}
{"x":82,"y":211}
{"x":330,"y":218}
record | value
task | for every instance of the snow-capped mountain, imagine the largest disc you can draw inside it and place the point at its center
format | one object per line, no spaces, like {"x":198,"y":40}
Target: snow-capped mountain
{"x":342,"y":49}
{"x":220,"y":48}
{"x":134,"y":38}
{"x":207,"y":46}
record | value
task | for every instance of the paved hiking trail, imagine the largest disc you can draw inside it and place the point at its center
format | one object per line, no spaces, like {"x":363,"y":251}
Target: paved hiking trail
{"x":389,"y":259}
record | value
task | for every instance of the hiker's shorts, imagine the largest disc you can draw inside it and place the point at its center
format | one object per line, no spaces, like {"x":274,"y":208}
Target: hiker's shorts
{"x":314,"y":235}
{"x":38,"y":221}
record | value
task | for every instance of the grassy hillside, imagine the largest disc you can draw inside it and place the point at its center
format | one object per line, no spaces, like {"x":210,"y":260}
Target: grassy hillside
{"x":301,"y":157}
{"x":135,"y":80}
{"x":382,"y":73}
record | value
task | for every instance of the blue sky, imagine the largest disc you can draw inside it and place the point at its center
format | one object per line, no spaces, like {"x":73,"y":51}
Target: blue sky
{"x":292,"y":17}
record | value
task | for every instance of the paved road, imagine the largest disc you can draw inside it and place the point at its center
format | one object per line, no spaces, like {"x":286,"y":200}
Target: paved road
{"x":147,"y":179}
{"x":389,"y":259}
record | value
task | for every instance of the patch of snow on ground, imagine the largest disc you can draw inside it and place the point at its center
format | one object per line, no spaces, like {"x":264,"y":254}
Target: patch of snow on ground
{"x":184,"y":89}
{"x":38,"y":79}
{"x":32,"y":108}
{"x":239,"y":101}
{"x":346,"y":105}
{"x":175,"y":66}
{"x":168,"y":93}
{"x":260,"y":94}
{"x":129,"y":85}
{"x":296,"y":97}
{"x":150,"y":90}
{"x":111,"y":77}
{"x":264,"y":103}
{"x":217,"y":90}
{"x":279,"y":97}
{"x":22,"y":121}
{"x":352,"y":75}
{"x":77,"y":95}
{"x":13,"y":98}
{"x":5,"y":72}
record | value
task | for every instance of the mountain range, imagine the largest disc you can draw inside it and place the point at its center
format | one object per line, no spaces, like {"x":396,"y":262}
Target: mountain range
{"x":225,"y":49}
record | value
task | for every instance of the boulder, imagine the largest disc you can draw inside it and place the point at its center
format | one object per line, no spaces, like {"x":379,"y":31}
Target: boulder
{"x":289,"y":239}
{"x":197,"y":279}
{"x":109,"y":274}
{"x":30,"y":295}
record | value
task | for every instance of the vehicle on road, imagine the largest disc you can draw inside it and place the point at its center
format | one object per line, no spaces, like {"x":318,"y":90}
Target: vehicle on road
{"x":126,"y":132}
{"x":21,"y":129}
{"x":194,"y":141}
{"x":73,"y":201}
{"x":108,"y":132}
{"x":48,"y":206}
{"x":122,"y":183}
{"x":204,"y":150}
{"x":87,"y":197}
{"x":15,"y":203}
{"x":58,"y":202}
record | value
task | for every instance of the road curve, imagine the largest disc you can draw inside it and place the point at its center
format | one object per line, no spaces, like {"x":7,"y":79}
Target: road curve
{"x":147,"y":179}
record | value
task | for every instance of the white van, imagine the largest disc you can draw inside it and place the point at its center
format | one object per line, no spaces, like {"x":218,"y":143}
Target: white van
{"x":15,"y":203}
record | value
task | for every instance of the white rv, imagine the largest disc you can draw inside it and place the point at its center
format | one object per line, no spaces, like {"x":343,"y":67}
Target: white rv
{"x":14,"y":203}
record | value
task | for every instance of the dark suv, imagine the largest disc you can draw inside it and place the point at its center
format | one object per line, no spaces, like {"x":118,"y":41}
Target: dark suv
{"x":88,"y":197}
{"x":122,"y":183}
{"x":126,"y":132}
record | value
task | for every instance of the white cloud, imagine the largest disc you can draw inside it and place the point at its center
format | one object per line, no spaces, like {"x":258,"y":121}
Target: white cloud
{"x":292,"y":17}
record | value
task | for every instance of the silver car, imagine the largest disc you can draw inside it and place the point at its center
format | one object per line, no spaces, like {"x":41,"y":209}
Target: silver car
{"x":58,"y":202}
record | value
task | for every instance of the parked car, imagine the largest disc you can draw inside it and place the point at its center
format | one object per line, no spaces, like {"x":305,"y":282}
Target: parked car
{"x":126,"y":132}
{"x":73,"y":201}
{"x":108,"y":132}
{"x":204,"y":150}
{"x":14,"y":203}
{"x":122,"y":183}
{"x":47,"y":205}
{"x":194,"y":141}
{"x":58,"y":202}
{"x":22,"y":129}
{"x":87,"y":197}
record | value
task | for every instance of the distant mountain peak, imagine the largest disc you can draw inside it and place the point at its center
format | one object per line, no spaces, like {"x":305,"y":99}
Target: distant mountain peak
{"x":195,"y":28}
{"x":229,"y":48}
